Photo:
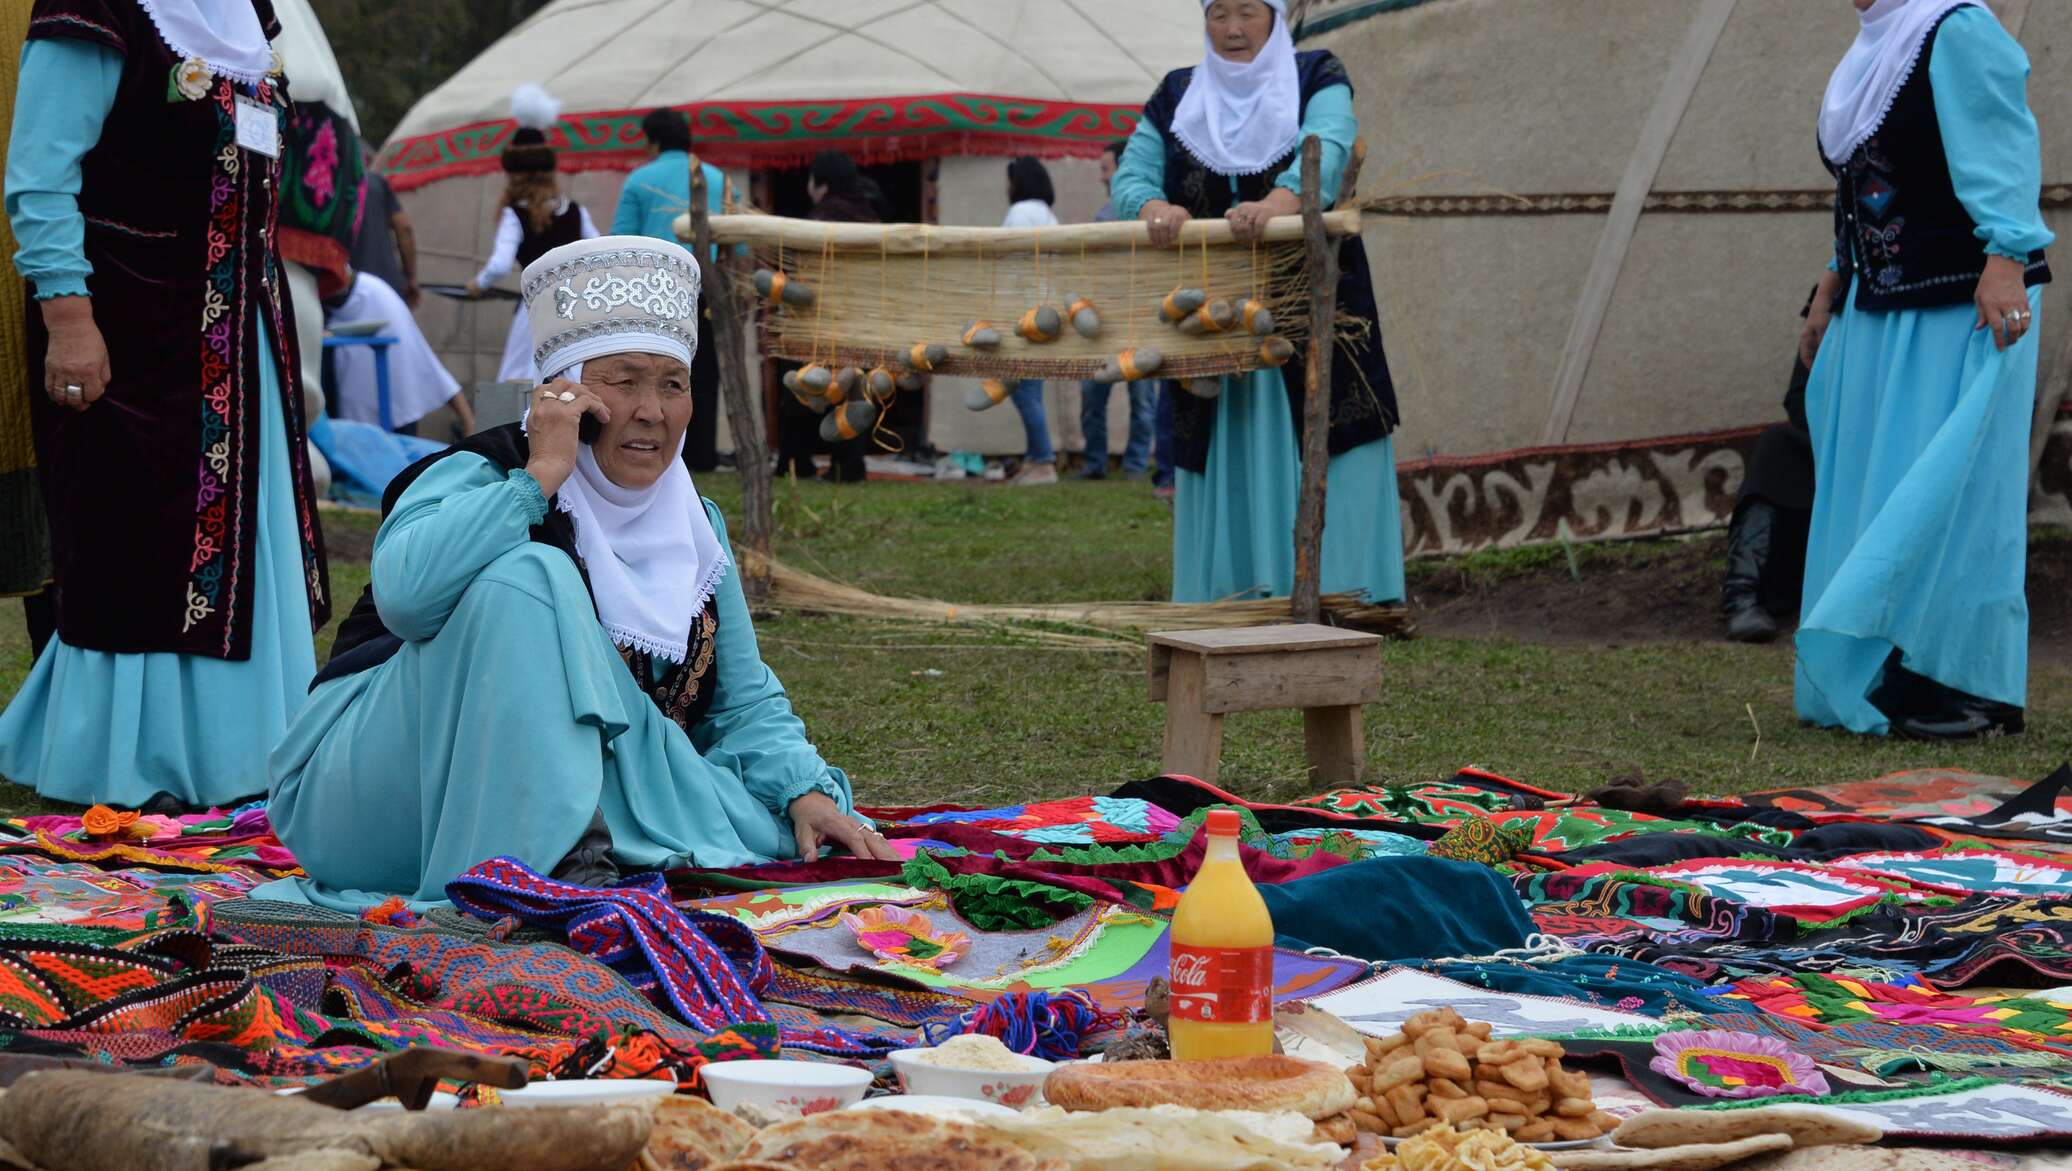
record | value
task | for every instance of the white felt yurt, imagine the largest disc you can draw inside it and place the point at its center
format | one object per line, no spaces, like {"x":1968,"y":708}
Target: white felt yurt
{"x":1599,"y":219}
{"x":954,"y":86}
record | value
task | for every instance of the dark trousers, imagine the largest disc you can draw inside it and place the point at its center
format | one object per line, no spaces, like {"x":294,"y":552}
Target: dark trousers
{"x":798,"y":441}
{"x":701,"y":441}
{"x":40,"y":611}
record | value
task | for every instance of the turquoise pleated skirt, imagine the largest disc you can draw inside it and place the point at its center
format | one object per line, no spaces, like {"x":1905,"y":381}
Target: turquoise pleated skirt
{"x":94,"y":727}
{"x":1234,"y":524}
{"x":503,"y":734}
{"x":1920,"y":515}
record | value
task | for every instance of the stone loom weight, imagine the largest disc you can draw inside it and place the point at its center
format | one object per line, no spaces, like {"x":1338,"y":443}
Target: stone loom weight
{"x":1202,"y":675}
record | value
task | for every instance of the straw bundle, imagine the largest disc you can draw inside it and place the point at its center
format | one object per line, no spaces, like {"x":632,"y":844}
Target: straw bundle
{"x":877,"y":291}
{"x":1085,"y":624}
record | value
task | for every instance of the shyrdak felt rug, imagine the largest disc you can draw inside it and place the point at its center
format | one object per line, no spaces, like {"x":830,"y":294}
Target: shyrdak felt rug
{"x":1830,"y":1000}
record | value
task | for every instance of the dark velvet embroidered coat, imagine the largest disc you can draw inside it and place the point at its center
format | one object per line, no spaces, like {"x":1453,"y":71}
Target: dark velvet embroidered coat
{"x":153,"y":493}
{"x":1363,"y":397}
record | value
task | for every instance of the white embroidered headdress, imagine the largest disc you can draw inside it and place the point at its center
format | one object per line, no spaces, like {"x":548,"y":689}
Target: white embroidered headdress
{"x":612,"y":295}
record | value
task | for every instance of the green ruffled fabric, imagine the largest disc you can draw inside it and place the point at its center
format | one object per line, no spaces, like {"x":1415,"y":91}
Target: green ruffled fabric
{"x":992,"y":903}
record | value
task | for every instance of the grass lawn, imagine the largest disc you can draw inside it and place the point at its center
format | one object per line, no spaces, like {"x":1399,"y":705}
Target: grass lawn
{"x":921,"y":713}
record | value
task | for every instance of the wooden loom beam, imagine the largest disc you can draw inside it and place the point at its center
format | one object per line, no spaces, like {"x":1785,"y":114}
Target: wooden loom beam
{"x":810,"y":236}
{"x":1306,"y":604}
{"x":744,"y":413}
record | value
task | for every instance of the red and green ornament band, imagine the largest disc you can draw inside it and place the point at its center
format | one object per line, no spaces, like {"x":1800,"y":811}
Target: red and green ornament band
{"x":781,"y":134}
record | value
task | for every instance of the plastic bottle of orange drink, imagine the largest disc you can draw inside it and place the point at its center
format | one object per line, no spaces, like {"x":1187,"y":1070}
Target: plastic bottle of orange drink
{"x":1222,"y":976}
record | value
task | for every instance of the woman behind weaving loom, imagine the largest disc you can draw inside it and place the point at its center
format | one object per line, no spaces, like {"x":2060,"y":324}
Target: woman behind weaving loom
{"x":1920,"y":396}
{"x":554,"y":660}
{"x":1221,"y":139}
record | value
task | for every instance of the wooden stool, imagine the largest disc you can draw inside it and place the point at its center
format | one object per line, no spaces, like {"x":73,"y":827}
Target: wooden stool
{"x":1327,"y":672}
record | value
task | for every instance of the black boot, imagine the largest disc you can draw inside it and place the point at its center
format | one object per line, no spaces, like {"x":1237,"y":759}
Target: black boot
{"x":1922,"y":709}
{"x":1741,"y":593}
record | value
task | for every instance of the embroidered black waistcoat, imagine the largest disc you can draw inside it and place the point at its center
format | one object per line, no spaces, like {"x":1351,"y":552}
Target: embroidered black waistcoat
{"x":565,"y":228}
{"x":153,"y":493}
{"x":1899,"y":226}
{"x":1363,"y":398}
{"x":683,"y":691}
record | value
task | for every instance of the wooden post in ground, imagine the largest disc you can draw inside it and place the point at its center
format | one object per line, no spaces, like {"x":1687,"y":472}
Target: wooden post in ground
{"x":1307,"y":602}
{"x":744,"y":411}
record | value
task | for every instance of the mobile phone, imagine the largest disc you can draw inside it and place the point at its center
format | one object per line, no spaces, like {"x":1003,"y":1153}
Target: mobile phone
{"x":589,"y":430}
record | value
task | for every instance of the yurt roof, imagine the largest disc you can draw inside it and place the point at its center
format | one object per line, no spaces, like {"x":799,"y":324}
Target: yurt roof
{"x":313,"y":74}
{"x":771,"y":82}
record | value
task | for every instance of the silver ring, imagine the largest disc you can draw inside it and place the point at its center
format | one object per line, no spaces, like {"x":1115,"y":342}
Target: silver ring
{"x":74,"y":391}
{"x":568,"y":396}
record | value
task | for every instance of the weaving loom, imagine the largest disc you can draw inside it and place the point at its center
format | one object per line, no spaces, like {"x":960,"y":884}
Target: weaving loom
{"x":878,"y":291}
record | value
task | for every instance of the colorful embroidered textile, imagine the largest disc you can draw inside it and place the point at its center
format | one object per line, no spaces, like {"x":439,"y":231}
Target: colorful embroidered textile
{"x":1827,"y":1000}
{"x":1804,"y":891}
{"x":216,"y":841}
{"x":1379,"y":1006}
{"x":1479,"y":839}
{"x":1969,"y":1110}
{"x":1072,"y":821}
{"x":1970,"y":872}
{"x":1898,"y":797}
{"x":36,"y":890}
{"x":1718,"y":1063}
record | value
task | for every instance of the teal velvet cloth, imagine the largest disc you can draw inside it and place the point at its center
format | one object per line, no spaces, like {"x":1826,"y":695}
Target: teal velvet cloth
{"x":1383,"y":910}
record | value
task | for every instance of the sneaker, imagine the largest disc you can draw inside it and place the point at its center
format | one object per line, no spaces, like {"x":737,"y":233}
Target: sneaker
{"x":950,"y":468}
{"x":1092,"y":474}
{"x":1164,"y":492}
{"x":1035,"y":476}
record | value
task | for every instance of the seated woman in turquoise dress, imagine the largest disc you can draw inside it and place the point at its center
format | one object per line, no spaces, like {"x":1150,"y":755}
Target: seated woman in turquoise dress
{"x":554,"y":660}
{"x":1921,"y":393}
{"x":1221,"y":139}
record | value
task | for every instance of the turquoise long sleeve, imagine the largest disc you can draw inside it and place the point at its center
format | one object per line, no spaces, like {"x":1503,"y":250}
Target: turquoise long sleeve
{"x":1980,"y":75}
{"x":67,"y":88}
{"x":460,"y":515}
{"x":750,"y":726}
{"x":1140,"y":173}
{"x":1330,"y":118}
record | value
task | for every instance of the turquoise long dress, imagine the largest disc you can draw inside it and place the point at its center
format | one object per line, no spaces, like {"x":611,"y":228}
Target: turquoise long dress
{"x":92,"y":726}
{"x":1921,"y":437}
{"x":508,"y":719}
{"x":1234,"y":522}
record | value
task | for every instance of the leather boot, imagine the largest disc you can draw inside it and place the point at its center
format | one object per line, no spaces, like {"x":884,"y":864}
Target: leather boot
{"x":1741,"y":594}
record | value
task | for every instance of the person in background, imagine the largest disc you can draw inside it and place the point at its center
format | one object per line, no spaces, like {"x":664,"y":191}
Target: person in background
{"x":1220,"y":139}
{"x":418,"y":382}
{"x":1916,"y":616}
{"x":1093,"y":396}
{"x":533,"y":219}
{"x":654,"y":195}
{"x":1029,"y":199}
{"x":841,"y":193}
{"x":1766,"y":540}
{"x":169,"y":432}
{"x":386,"y":244}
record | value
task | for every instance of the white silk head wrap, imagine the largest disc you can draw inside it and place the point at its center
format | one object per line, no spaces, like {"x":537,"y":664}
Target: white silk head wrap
{"x":1241,"y":117}
{"x":224,"y":34}
{"x":1868,"y":80}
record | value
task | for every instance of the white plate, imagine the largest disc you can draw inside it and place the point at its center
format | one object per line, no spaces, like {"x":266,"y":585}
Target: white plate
{"x":937,"y":1106}
{"x":359,"y":328}
{"x":597,"y":1093}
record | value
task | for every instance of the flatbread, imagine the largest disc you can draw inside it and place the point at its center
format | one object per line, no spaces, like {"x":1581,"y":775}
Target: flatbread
{"x":1690,"y":1157}
{"x":1808,"y":1126}
{"x":692,"y":1134}
{"x":1271,"y":1083}
{"x":1168,"y":1138}
{"x":886,"y":1140}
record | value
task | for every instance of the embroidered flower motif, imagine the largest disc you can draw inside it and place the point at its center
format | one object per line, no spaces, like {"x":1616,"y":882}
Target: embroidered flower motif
{"x":104,"y":822}
{"x":192,"y":80}
{"x":906,"y":937}
{"x":1722,"y":1064}
{"x":323,"y":165}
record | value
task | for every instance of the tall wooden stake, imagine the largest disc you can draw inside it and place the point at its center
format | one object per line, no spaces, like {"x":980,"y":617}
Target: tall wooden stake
{"x":744,"y":413}
{"x":1307,"y":603}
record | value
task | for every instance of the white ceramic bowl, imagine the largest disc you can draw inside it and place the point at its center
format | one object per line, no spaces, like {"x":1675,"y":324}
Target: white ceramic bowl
{"x":806,"y":1086}
{"x":936,"y":1107}
{"x":1015,"y":1089}
{"x":586,"y":1093}
{"x":360,"y":328}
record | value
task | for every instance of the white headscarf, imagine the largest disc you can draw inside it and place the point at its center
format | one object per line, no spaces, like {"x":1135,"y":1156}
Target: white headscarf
{"x":1868,"y":80}
{"x":1239,"y":118}
{"x":224,"y":34}
{"x":652,"y":554}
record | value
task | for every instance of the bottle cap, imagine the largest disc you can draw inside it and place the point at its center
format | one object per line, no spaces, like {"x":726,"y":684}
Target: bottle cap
{"x":1224,"y":823}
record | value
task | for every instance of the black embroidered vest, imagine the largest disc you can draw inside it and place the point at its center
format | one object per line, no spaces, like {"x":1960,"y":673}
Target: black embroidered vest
{"x":683,"y":691}
{"x":1899,"y":226}
{"x":1363,"y":397}
{"x":565,"y":228}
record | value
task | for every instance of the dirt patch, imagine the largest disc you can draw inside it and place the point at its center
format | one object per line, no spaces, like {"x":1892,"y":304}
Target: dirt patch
{"x":1658,"y":591}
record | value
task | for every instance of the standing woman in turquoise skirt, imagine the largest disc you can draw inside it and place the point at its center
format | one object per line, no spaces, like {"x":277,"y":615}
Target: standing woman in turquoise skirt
{"x":1924,"y":381}
{"x":144,"y":187}
{"x":1222,"y":139}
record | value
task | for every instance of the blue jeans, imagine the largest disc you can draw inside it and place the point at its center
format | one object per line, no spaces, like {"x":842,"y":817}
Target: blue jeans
{"x":1028,"y":399}
{"x":1093,"y":420}
{"x":1162,"y":476}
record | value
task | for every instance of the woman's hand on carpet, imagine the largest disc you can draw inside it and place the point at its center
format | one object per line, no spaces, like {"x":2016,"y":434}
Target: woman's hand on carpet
{"x":2003,"y":301}
{"x":817,"y":821}
{"x":75,"y":367}
{"x":554,"y":430}
{"x":1166,"y":220}
{"x":1818,"y":315}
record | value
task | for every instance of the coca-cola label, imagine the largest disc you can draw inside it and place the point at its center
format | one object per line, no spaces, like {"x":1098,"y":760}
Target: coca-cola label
{"x":1222,"y":985}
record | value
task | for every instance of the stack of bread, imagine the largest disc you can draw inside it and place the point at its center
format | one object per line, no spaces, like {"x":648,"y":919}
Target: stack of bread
{"x":1260,"y":1085}
{"x":1442,"y":1070}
